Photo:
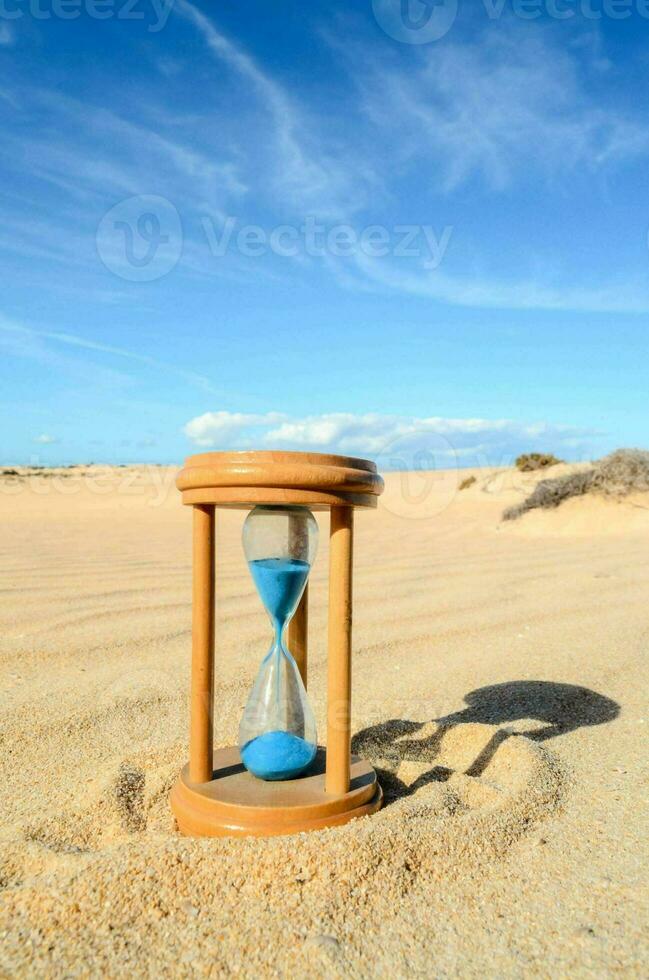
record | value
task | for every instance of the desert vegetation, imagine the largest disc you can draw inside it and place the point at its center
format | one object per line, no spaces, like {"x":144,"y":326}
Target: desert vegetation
{"x":536,"y":461}
{"x":623,"y":472}
{"x":467,"y":482}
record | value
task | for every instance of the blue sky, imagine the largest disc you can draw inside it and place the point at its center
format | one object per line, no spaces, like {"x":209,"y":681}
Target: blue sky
{"x":286,"y":225}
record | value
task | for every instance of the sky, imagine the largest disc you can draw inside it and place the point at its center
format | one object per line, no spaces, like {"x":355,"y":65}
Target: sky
{"x":411,"y":230}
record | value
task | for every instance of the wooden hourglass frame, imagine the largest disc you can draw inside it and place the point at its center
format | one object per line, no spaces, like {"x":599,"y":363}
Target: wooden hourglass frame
{"x":214,"y":794}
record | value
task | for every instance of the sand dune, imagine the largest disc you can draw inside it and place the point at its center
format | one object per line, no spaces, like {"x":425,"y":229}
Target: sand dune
{"x":500,"y":689}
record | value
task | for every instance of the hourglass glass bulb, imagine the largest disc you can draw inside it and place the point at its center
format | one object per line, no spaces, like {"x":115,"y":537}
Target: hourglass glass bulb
{"x":280,"y":532}
{"x":277,"y":735}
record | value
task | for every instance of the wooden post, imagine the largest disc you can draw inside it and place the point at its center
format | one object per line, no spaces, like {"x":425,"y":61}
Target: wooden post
{"x":298,"y":634}
{"x":339,"y":655}
{"x":202,"y":696}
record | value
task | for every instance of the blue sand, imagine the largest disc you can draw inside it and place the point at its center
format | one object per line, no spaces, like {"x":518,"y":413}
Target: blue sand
{"x":277,"y":755}
{"x":279,"y":582}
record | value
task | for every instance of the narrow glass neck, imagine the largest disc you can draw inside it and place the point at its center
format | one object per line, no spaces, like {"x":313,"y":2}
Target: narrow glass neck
{"x":279,"y":625}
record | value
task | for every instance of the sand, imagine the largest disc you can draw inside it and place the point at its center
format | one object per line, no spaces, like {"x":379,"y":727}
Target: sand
{"x":500,"y":689}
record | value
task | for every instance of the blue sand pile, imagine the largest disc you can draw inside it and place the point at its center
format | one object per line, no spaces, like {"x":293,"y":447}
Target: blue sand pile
{"x":279,"y":582}
{"x":277,"y":755}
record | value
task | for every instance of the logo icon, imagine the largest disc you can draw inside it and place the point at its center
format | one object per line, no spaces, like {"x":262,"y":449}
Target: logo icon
{"x":415,"y":21}
{"x":426,"y":478}
{"x":141,"y":238}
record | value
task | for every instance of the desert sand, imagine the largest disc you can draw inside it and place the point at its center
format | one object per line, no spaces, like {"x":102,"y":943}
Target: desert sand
{"x":500,"y":687}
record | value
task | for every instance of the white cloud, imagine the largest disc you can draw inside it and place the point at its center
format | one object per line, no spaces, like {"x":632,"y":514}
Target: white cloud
{"x":373,"y":433}
{"x":222,"y":428}
{"x":398,"y":442}
{"x":45,"y":439}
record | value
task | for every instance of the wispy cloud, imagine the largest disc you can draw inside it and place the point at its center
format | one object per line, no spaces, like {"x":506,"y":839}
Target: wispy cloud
{"x":457,"y":289}
{"x":24,"y":344}
{"x":308,"y":175}
{"x":406,"y":137}
{"x":81,"y":159}
{"x":7,"y":36}
{"x":28,"y":340}
{"x":496,"y":108}
{"x":398,"y":441}
{"x":94,"y":150}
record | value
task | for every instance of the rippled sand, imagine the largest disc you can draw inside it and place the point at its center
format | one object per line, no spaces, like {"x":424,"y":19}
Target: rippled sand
{"x":500,"y":689}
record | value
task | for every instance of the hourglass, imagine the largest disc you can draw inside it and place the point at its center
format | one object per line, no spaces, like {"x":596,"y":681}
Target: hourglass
{"x":277,"y":735}
{"x":278,"y":779}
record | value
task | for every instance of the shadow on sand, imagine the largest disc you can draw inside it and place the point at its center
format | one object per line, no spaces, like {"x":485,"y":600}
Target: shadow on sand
{"x":560,"y":707}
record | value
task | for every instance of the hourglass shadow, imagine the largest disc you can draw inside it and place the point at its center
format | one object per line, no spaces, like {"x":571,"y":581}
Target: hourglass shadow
{"x":562,"y":707}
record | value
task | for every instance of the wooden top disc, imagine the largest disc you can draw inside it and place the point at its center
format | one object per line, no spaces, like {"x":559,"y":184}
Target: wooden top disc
{"x":245,"y":479}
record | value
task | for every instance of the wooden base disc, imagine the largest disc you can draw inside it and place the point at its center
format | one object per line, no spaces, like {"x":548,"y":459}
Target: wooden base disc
{"x":237,"y":804}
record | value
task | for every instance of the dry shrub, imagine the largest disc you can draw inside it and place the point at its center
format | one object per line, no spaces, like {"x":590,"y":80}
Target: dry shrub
{"x":622,"y":472}
{"x":551,"y":493}
{"x":467,"y":482}
{"x":536,"y":461}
